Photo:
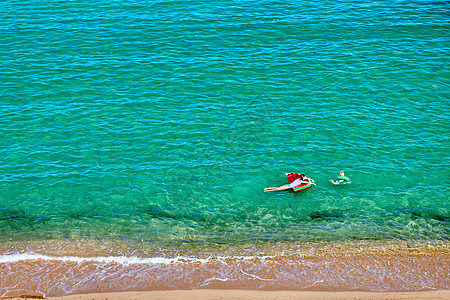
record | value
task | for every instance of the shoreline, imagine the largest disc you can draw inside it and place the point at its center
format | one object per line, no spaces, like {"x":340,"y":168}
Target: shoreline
{"x":369,"y":269}
{"x":210,"y":294}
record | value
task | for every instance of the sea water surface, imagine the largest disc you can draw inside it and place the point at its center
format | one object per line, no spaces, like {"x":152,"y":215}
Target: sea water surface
{"x":136,"y":138}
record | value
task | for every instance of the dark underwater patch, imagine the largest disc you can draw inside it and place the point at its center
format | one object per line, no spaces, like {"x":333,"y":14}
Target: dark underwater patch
{"x":326,"y":215}
{"x":16,"y":219}
{"x":440,"y":218}
{"x":158,"y":213}
{"x":427,"y":215}
{"x":13,"y":215}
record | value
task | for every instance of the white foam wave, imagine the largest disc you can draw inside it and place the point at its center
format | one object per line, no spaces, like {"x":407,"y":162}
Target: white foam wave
{"x":124,"y":260}
{"x":11,"y":258}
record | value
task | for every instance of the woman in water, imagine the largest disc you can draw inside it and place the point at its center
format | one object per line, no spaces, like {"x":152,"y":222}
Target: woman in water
{"x":295,"y":183}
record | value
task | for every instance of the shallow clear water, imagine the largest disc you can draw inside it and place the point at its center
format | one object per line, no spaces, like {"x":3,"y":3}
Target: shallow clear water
{"x":161,"y":122}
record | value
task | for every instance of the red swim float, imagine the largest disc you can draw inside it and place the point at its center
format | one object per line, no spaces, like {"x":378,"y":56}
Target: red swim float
{"x":291,"y":177}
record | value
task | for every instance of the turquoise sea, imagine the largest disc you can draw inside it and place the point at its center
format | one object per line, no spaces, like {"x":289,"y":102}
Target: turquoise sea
{"x":142,"y":133}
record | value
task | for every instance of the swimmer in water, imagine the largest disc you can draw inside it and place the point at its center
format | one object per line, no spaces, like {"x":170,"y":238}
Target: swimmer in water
{"x":295,"y":183}
{"x":341,"y":178}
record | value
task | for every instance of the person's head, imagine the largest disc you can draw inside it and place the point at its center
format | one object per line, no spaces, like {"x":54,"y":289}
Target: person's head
{"x":341,"y":173}
{"x":302,"y":176}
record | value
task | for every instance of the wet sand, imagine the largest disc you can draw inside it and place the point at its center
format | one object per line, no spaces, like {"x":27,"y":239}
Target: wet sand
{"x":250,"y":295}
{"x":334,"y":268}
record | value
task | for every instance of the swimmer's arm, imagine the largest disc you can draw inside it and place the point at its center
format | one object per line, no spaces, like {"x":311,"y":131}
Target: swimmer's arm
{"x":311,"y":180}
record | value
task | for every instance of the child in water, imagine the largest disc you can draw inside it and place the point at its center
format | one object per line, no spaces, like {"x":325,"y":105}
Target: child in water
{"x":341,"y":178}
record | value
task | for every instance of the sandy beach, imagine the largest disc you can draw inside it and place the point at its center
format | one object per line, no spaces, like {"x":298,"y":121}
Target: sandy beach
{"x":254,"y":295}
{"x":205,"y":294}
